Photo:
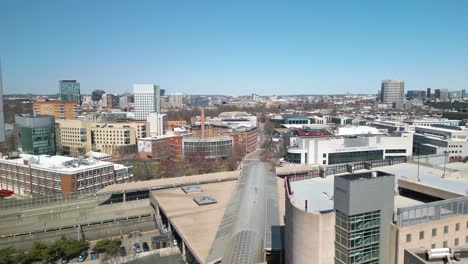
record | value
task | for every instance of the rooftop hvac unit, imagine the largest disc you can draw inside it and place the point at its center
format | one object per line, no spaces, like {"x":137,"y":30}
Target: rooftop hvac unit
{"x":439,"y":253}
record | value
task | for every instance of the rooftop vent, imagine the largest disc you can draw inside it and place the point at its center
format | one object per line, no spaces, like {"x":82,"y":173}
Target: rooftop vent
{"x":191,"y":189}
{"x":205,"y":200}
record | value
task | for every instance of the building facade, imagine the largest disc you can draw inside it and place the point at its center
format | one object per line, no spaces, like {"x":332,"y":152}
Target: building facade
{"x":207,"y":147}
{"x":157,"y":124}
{"x":147,"y":100}
{"x":162,"y":147}
{"x":362,"y":225}
{"x":451,"y":141}
{"x":37,"y":134}
{"x":46,"y":175}
{"x":76,"y":137}
{"x":338,"y":150}
{"x":392,"y":91}
{"x":58,"y":109}
{"x":70,"y":91}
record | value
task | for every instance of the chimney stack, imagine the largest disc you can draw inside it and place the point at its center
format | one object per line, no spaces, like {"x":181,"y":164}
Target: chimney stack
{"x":202,"y":122}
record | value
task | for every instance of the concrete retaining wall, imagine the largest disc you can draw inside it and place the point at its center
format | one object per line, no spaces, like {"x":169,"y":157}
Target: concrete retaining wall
{"x":92,"y":232}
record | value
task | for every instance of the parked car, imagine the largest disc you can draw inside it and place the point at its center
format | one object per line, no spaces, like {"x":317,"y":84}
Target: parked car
{"x":65,"y":260}
{"x":137,"y":248}
{"x":122,"y":251}
{"x":83,"y":255}
{"x":94,"y":255}
{"x":145,"y":247}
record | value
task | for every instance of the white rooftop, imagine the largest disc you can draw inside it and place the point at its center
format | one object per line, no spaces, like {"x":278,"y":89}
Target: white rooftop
{"x":57,"y":163}
{"x":318,"y":191}
{"x":356,"y":130}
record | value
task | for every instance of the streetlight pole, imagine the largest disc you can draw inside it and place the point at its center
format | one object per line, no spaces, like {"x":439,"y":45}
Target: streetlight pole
{"x":445,"y":162}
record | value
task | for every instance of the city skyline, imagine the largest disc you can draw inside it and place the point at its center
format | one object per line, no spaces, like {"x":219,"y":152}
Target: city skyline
{"x":267,"y":48}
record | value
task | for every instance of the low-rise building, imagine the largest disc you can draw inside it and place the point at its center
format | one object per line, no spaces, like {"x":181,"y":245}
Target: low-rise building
{"x":350,"y":148}
{"x":162,"y":147}
{"x":451,"y":141}
{"x":76,"y":138}
{"x":207,"y":147}
{"x":45,"y":175}
{"x":176,"y":123}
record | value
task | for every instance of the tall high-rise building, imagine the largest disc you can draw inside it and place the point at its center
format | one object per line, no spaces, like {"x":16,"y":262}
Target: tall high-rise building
{"x":392,"y":91}
{"x":2,"y":120}
{"x":147,"y":99}
{"x":363,"y":203}
{"x":176,"y":100}
{"x":70,"y":91}
{"x":428,"y":93}
{"x":442,"y":94}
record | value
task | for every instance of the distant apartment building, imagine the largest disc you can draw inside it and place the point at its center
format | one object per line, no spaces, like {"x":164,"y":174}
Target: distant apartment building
{"x":416,"y":94}
{"x":176,"y":100}
{"x":46,"y":175}
{"x":109,"y":101}
{"x":157,"y":124}
{"x":441,"y":94}
{"x":348,"y":148}
{"x":37,"y":134}
{"x":176,"y":123}
{"x":76,"y":137}
{"x":432,"y":122}
{"x":96,"y":95}
{"x":70,"y":91}
{"x":392,"y":91}
{"x":147,"y":100}
{"x":162,"y":147}
{"x":58,"y":109}
{"x":446,"y":140}
{"x":199,"y":101}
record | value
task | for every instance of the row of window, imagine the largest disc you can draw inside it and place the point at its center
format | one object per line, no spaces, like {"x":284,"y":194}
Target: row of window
{"x":434,"y":232}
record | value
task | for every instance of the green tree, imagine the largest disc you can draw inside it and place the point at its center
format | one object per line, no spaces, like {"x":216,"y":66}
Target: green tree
{"x":110,"y":246}
{"x":6,"y":255}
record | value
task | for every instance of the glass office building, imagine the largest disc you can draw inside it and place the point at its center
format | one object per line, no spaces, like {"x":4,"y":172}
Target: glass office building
{"x":37,"y":134}
{"x":70,"y":91}
{"x":209,"y":147}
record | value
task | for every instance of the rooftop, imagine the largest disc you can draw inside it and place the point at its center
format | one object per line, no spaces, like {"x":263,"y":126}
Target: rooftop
{"x":184,"y":180}
{"x":319,"y":191}
{"x":56,"y":163}
{"x":196,"y":224}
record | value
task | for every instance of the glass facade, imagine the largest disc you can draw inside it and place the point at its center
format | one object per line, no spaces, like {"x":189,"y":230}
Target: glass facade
{"x":357,"y":238}
{"x":70,"y":91}
{"x":345,"y":157}
{"x":294,"y":157}
{"x":213,"y":148}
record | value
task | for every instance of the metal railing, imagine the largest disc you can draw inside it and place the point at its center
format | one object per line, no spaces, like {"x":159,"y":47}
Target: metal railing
{"x":432,"y":211}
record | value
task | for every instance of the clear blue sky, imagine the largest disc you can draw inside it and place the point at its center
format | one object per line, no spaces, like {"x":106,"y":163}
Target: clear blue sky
{"x":233,"y":47}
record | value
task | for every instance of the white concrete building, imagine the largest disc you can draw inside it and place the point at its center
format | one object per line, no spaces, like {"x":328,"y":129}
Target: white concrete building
{"x":436,"y":140}
{"x":157,"y":124}
{"x":432,"y":122}
{"x":337,"y":150}
{"x":146,"y":100}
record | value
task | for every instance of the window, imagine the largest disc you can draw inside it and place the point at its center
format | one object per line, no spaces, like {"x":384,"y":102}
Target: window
{"x":445,"y":244}
{"x":446,"y":229}
{"x":456,"y":241}
{"x":434,"y":232}
{"x":408,"y":238}
{"x":457,"y":227}
{"x":433,"y":246}
{"x":324,"y":155}
{"x":466,"y":239}
{"x":421,"y":235}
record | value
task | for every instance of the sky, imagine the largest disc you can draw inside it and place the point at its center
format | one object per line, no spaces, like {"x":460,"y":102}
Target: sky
{"x":233,"y":47}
